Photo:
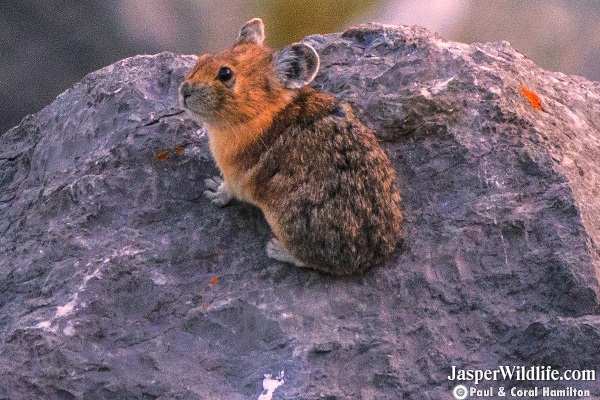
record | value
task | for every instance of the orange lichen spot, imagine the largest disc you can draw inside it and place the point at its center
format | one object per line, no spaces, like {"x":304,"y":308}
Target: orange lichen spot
{"x":178,"y":150}
{"x":214,"y":280}
{"x":206,"y":305}
{"x":162,"y":156}
{"x":533,"y":98}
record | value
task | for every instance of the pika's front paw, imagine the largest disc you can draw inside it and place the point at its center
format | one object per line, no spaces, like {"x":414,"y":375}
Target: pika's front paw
{"x":218,"y":192}
{"x":277,"y":252}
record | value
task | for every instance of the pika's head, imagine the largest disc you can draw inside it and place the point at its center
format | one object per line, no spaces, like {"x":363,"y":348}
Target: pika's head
{"x":247,"y":81}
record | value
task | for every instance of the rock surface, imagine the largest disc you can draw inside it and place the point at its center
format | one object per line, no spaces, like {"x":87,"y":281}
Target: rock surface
{"x":119,"y":280}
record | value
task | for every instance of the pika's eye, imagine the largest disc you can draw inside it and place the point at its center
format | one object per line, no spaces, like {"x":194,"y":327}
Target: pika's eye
{"x":225,"y":74}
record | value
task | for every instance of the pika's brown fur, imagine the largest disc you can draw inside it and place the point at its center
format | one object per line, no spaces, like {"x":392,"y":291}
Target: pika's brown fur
{"x":324,"y":184}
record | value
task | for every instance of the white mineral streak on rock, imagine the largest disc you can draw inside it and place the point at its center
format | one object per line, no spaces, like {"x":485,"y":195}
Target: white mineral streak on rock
{"x":270,"y":385}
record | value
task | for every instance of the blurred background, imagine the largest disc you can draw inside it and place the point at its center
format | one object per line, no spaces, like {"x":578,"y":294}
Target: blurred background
{"x":47,"y":46}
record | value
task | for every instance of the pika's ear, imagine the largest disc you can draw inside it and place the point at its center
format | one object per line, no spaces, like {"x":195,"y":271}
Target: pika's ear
{"x":252,"y":32}
{"x":296,"y":65}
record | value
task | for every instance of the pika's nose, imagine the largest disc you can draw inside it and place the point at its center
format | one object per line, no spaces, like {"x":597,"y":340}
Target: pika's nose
{"x":185,"y":89}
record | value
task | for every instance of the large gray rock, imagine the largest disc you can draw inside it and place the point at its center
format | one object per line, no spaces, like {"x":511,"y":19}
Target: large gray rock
{"x":119,"y":280}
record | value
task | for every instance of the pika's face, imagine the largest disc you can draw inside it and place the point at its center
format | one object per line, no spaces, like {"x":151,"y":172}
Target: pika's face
{"x":248,"y":81}
{"x":231,"y":87}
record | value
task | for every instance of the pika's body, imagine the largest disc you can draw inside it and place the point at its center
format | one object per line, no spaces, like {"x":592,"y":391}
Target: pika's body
{"x":324,"y":184}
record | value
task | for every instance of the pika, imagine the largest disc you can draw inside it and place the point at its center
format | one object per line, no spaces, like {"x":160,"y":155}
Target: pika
{"x":325,"y":186}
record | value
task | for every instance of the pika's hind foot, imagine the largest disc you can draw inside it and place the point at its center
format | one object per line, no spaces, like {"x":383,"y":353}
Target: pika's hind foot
{"x":218,"y":192}
{"x":277,"y":252}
